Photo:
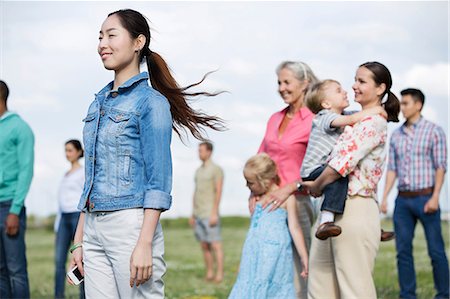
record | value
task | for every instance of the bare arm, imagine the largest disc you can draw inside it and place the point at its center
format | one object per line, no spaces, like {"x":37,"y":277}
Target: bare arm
{"x":279,"y":196}
{"x":390,"y":180}
{"x":141,"y":260}
{"x":214,"y":218}
{"x":77,"y":254}
{"x":349,"y":120}
{"x":192,"y":218}
{"x":297,"y":234}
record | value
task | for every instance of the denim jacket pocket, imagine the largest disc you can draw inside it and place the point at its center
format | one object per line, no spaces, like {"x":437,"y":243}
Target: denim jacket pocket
{"x":119,"y":121}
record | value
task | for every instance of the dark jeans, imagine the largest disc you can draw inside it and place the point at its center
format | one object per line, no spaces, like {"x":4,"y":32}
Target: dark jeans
{"x":64,"y":237}
{"x":334,"y":193}
{"x":13,"y":261}
{"x":407,"y":212}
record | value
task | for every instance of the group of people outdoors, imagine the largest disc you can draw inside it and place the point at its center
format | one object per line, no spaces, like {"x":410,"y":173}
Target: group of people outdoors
{"x":109,"y":210}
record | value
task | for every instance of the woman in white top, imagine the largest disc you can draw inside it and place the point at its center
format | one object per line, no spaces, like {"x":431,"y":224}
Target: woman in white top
{"x":69,"y":193}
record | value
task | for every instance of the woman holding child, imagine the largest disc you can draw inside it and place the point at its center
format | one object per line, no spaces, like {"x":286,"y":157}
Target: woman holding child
{"x":341,"y":267}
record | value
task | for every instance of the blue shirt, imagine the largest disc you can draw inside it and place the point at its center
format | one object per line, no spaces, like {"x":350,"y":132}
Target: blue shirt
{"x":127,"y":135}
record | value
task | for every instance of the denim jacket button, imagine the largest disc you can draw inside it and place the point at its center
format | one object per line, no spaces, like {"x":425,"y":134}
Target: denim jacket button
{"x":114,"y":94}
{"x":91,"y":205}
{"x":102,"y":112}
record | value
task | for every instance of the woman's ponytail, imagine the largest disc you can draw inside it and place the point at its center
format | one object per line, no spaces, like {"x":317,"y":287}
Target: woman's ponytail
{"x":392,"y":107}
{"x":183,"y":116}
{"x":382,"y":75}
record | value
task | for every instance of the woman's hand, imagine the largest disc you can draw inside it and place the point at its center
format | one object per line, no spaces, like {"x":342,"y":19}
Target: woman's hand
{"x":141,"y":263}
{"x":313,"y":188}
{"x":76,"y":260}
{"x":279,"y":196}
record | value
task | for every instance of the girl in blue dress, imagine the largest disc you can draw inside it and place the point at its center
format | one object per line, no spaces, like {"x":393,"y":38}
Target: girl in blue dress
{"x":266,"y":269}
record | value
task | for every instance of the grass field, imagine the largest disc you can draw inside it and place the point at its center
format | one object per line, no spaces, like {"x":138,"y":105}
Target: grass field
{"x":184,"y":278}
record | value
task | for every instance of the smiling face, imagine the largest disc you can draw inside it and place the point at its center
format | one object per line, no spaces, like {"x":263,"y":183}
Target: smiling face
{"x":290,"y":88}
{"x":366,"y":89}
{"x":335,"y":97}
{"x":116,"y":47}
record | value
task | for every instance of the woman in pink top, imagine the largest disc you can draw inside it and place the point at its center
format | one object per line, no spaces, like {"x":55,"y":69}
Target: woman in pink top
{"x":286,"y":140}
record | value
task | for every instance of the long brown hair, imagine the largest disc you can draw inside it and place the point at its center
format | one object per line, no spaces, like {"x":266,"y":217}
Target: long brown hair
{"x":184,"y":117}
{"x":381,"y":74}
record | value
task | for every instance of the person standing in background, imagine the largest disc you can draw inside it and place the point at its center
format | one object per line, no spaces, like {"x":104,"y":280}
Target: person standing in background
{"x":16,"y":173}
{"x":418,"y":158}
{"x":69,"y":193}
{"x":205,"y":218}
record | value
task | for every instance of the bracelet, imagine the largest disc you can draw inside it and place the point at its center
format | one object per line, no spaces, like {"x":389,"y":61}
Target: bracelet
{"x":75,"y":246}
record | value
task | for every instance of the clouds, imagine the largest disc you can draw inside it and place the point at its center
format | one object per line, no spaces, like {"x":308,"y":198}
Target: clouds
{"x":50,"y":61}
{"x":433,"y":79}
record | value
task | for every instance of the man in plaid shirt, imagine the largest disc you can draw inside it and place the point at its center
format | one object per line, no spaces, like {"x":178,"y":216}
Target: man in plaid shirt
{"x":418,"y":158}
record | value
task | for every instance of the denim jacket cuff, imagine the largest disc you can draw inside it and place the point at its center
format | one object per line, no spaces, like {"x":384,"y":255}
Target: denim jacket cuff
{"x":158,"y":200}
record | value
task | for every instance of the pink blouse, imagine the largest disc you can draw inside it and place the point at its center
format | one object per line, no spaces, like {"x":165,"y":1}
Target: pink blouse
{"x":289,"y":150}
{"x":360,"y":154}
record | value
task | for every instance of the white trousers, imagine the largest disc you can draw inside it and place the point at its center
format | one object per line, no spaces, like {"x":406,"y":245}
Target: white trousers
{"x":108,"y":242}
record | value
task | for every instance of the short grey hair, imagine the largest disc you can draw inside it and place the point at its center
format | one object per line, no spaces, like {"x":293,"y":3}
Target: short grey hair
{"x":300,"y":69}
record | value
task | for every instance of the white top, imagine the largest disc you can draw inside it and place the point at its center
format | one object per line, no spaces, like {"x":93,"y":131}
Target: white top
{"x":70,"y":190}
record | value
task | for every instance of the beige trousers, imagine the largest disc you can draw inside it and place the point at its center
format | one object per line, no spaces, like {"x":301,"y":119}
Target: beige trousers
{"x":342,"y":267}
{"x":305,"y":213}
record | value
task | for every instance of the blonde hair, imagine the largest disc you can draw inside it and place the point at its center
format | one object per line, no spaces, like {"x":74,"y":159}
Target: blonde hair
{"x":264,"y":169}
{"x":316,"y":95}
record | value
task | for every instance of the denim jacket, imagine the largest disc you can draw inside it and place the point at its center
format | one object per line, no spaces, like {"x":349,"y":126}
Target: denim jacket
{"x":127,"y":135}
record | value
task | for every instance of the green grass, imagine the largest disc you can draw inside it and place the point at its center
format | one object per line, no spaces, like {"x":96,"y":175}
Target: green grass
{"x":184,"y":278}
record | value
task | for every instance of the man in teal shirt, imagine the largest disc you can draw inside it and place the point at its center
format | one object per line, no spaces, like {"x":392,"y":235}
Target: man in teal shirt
{"x":16,"y":172}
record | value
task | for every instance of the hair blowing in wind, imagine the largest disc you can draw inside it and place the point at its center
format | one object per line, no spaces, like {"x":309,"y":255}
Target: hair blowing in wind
{"x":183,"y":115}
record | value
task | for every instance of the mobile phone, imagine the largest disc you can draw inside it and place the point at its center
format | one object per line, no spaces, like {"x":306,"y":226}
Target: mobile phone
{"x":75,"y":275}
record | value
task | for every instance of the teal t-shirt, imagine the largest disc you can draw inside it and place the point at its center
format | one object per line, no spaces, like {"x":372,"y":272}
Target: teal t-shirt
{"x":16,"y":160}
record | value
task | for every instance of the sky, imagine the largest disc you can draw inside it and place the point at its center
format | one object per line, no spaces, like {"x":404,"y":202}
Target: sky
{"x":48,"y":57}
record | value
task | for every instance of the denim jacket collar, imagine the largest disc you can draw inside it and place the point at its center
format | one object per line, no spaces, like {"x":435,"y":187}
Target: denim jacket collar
{"x":130,"y":82}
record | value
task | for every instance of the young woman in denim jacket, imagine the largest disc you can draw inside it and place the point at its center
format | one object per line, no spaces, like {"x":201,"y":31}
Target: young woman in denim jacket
{"x":119,"y":243}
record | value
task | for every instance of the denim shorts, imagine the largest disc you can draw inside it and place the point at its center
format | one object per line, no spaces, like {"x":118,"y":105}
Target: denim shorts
{"x":206,"y":233}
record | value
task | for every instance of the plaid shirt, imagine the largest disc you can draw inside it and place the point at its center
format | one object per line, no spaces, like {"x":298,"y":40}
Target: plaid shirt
{"x":415,"y":153}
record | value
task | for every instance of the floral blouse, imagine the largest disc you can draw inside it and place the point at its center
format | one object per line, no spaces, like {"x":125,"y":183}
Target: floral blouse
{"x":360,"y":154}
